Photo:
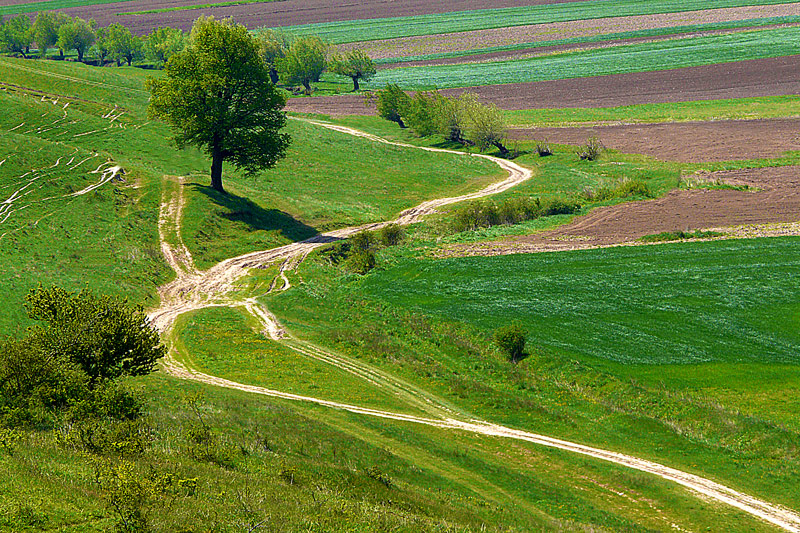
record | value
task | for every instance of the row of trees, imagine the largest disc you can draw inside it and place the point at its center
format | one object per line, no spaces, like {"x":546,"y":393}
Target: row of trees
{"x":114,"y":42}
{"x":292,"y":61}
{"x":464,"y":119}
{"x":302,"y":60}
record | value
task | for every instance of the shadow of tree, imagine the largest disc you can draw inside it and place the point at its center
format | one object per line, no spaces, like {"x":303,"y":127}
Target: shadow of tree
{"x":240,"y":209}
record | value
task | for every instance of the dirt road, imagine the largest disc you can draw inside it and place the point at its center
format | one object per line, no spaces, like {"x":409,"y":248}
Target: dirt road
{"x":193,"y":290}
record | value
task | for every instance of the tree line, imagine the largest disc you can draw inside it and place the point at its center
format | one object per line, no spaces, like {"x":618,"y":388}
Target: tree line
{"x":294,"y":61}
{"x":463,"y":119}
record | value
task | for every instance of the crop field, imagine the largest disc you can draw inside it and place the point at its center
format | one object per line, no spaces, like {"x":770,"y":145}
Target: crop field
{"x":676,"y":53}
{"x":333,"y":326}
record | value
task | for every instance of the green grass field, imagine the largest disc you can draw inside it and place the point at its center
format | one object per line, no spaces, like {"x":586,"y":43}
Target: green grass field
{"x":642,"y":57}
{"x":630,"y":348}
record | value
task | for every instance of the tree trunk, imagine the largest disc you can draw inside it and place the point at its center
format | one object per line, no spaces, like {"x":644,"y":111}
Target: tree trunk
{"x":130,"y":60}
{"x":355,"y":83}
{"x":499,"y":146}
{"x":80,"y":55}
{"x":216,"y":170}
{"x":307,"y":85}
{"x":400,"y":122}
{"x":273,"y":75}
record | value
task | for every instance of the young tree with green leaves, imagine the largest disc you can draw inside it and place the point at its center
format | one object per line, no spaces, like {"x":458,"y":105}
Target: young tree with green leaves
{"x":16,"y":35}
{"x":76,"y":34}
{"x":485,"y":124}
{"x":45,"y":30}
{"x":217,"y":95}
{"x":123,"y":45}
{"x":355,"y":65}
{"x":393,"y":103}
{"x":163,"y":43}
{"x":303,"y":63}
{"x":274,"y":45}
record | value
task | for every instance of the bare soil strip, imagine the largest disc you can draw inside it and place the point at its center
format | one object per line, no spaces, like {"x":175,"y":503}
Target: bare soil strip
{"x":194,"y":290}
{"x":281,"y":13}
{"x":743,"y":79}
{"x":541,"y":33}
{"x":694,"y":142}
{"x":770,"y":208}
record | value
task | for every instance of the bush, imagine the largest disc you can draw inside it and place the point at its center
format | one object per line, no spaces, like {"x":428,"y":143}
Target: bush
{"x":361,"y":262}
{"x":361,"y":241}
{"x":592,"y":150}
{"x":485,"y":214}
{"x":511,"y":340}
{"x":624,"y":188}
{"x":390,"y":235}
{"x":543,"y":148}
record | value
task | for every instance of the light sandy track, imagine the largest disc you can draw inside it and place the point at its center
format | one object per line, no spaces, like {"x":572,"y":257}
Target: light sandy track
{"x":194,"y":290}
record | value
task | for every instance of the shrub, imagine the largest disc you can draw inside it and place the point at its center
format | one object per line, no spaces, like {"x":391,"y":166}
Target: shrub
{"x":361,"y":241}
{"x":511,"y":340}
{"x":592,"y":150}
{"x":543,"y":148}
{"x":361,"y":262}
{"x":484,"y":214}
{"x":624,"y":188}
{"x":476,"y":214}
{"x":556,"y":206}
{"x":390,"y":235}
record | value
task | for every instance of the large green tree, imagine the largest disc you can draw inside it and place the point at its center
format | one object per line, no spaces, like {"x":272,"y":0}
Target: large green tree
{"x":163,"y":43}
{"x":274,"y":45}
{"x":16,"y":35}
{"x":123,"y":45}
{"x":304,"y":62}
{"x":45,"y":30}
{"x":356,"y":65}
{"x":76,"y":34}
{"x":217,"y":95}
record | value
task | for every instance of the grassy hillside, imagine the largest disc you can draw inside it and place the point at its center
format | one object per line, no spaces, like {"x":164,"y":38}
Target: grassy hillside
{"x":662,"y":351}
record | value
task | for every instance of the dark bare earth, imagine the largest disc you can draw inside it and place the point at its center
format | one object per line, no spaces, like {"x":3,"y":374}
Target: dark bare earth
{"x":777,"y":201}
{"x":722,"y":140}
{"x":282,"y":13}
{"x":752,"y":78}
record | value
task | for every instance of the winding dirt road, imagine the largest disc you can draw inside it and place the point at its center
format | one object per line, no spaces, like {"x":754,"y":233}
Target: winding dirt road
{"x":193,"y":289}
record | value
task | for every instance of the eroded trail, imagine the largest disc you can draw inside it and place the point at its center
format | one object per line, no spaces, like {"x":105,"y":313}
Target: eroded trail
{"x":193,"y":289}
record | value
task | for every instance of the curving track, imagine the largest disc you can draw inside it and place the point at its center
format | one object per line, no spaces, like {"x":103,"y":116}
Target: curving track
{"x":193,"y":290}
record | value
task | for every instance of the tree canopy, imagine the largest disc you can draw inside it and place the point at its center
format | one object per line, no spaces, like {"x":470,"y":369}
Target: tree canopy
{"x":355,"y":65}
{"x":303,"y":63}
{"x":163,"y":43}
{"x":16,"y":35}
{"x":76,"y":34}
{"x":393,"y":103}
{"x":217,"y":95}
{"x":274,"y":45}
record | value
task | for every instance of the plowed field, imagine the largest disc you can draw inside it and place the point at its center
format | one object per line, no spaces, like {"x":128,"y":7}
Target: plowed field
{"x":280,"y":13}
{"x":685,"y":141}
{"x":776,"y":201}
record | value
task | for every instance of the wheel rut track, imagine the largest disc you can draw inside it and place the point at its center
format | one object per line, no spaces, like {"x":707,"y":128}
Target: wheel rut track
{"x":193,"y":290}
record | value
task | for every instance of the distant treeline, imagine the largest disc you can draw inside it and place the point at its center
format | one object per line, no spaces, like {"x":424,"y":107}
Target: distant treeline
{"x":113,"y":43}
{"x":293,"y":61}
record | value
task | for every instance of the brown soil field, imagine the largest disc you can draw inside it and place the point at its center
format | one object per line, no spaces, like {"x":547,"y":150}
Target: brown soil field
{"x":281,"y":13}
{"x":757,"y":77}
{"x":721,"y":140}
{"x":537,"y":33}
{"x":545,"y":50}
{"x":776,"y":201}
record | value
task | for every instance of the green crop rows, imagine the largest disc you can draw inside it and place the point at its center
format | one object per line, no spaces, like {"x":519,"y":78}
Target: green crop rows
{"x":674,"y":53}
{"x":388,"y":28}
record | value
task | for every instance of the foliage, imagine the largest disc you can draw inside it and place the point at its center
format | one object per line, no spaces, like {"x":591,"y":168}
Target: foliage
{"x":393,"y":103}
{"x":122,"y":44}
{"x":421,"y":114}
{"x":511,"y":340}
{"x":390,"y":235}
{"x":162,"y":43}
{"x":104,"y":336}
{"x":623,"y":188}
{"x":450,"y":116}
{"x":591,"y":150}
{"x":217,"y":95}
{"x":487,"y":213}
{"x":681,"y":236}
{"x":16,"y":35}
{"x":274,"y":45}
{"x":377,"y":474}
{"x":485,"y":124}
{"x":45,"y":30}
{"x":303,"y":62}
{"x":543,"y":148}
{"x":355,"y":64}
{"x":76,"y":34}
